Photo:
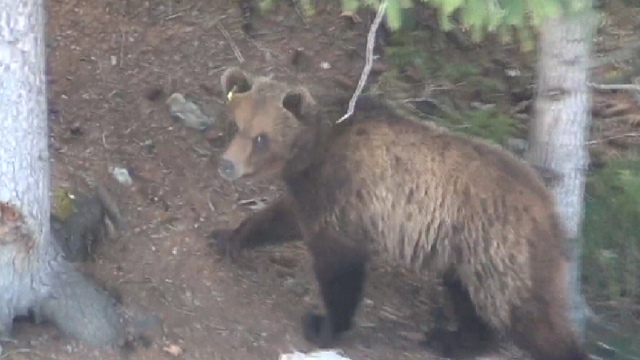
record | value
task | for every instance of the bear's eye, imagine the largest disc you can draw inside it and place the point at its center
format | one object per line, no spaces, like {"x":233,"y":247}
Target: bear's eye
{"x":261,"y":141}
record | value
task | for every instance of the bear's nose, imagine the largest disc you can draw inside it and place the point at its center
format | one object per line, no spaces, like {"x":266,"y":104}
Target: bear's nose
{"x":227,"y":169}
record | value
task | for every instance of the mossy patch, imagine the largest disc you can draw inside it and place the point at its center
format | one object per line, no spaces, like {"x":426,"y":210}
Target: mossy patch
{"x":611,"y":254}
{"x":62,"y":204}
{"x":430,"y":60}
{"x":489,"y":124}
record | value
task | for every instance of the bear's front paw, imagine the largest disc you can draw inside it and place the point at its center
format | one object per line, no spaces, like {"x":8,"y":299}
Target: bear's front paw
{"x":316,"y":329}
{"x":224,"y":243}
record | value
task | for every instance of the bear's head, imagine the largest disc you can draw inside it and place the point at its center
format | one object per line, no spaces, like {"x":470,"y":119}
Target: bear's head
{"x":269,"y":116}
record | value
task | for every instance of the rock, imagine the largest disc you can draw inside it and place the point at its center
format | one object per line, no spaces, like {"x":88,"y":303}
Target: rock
{"x":316,"y":355}
{"x":81,"y":310}
{"x":188,"y":113}
{"x":122,"y":175}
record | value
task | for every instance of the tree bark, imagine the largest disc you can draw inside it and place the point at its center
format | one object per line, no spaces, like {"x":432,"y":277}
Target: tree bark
{"x":561,"y":127}
{"x":34,"y":275}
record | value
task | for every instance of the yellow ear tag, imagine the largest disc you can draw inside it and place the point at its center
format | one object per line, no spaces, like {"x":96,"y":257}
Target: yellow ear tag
{"x":230,"y":94}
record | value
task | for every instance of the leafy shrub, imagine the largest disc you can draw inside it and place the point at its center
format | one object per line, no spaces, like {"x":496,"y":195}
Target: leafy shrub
{"x":611,"y":255}
{"x":479,"y":16}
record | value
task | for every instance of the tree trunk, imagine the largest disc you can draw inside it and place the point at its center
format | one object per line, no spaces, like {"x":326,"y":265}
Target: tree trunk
{"x":561,"y":127}
{"x":34,"y":274}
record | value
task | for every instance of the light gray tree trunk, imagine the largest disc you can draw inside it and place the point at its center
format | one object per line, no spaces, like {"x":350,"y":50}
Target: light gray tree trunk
{"x":33,"y":273}
{"x":561,"y":127}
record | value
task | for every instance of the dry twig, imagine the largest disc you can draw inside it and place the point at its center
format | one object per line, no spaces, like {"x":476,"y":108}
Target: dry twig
{"x":371,"y":37}
{"x":233,"y":45}
{"x":631,"y":87}
{"x":605,"y":139}
{"x":20,"y":351}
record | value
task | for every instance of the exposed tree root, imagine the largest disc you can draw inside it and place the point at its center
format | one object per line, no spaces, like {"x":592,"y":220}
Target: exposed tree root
{"x":81,"y":310}
{"x":41,"y":278}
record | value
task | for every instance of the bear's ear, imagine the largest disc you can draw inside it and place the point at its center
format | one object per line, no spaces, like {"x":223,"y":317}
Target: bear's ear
{"x":298,"y":102}
{"x":236,"y":81}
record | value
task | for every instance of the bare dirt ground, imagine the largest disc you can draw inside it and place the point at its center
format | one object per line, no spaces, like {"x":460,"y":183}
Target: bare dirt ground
{"x":112,"y":64}
{"x":108,"y":61}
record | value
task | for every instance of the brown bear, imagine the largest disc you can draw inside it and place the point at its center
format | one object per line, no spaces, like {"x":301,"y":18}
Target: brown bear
{"x":418,"y":196}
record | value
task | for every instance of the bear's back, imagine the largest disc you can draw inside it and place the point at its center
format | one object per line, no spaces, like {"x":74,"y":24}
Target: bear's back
{"x":417,"y":192}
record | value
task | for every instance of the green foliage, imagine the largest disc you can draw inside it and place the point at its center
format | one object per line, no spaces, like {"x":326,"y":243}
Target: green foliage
{"x":486,"y":84}
{"x":459,"y":71}
{"x":62,"y":205}
{"x":500,"y":16}
{"x":627,"y":344}
{"x":478,"y":16}
{"x":265,"y":5}
{"x":407,"y":49}
{"x":489,"y":124}
{"x":611,"y":256}
{"x":402,"y":56}
{"x":611,"y":253}
{"x":305,"y":5}
{"x":631,"y":3}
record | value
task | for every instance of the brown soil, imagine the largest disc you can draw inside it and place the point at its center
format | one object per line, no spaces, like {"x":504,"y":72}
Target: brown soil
{"x":108,"y":61}
{"x":112,"y":64}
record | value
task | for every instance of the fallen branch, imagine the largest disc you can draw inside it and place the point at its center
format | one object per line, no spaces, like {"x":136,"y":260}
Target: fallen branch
{"x":615,"y":137}
{"x":20,"y":351}
{"x":371,"y":37}
{"x":627,"y":52}
{"x":631,"y":87}
{"x":233,"y":45}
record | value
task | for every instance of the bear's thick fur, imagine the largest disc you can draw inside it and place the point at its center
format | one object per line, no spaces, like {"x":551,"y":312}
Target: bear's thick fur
{"x":420,"y":196}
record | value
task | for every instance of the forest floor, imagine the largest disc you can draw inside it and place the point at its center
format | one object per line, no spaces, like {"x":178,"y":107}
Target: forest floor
{"x":111,"y":66}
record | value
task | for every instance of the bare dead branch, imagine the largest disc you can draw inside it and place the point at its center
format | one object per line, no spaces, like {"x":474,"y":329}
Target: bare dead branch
{"x":233,"y":45}
{"x":371,"y":37}
{"x":621,"y":136}
{"x":629,"y":87}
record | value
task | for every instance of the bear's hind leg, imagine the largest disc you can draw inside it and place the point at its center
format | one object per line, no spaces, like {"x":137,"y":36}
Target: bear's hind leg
{"x":341,"y":275}
{"x":473,"y":336}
